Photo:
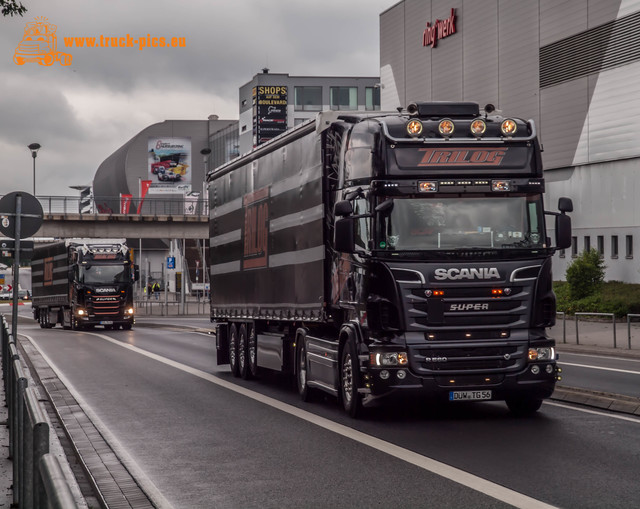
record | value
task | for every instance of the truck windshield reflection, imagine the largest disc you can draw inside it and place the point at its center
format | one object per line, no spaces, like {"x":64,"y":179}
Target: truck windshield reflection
{"x":104,"y":274}
{"x":469,"y":223}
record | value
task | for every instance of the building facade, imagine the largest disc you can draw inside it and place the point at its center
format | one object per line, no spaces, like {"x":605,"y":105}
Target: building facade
{"x":271,"y":103}
{"x":571,"y":66}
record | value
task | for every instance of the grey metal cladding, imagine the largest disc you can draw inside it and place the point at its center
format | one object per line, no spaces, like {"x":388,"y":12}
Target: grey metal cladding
{"x":609,"y":45}
{"x":392,"y":33}
{"x":518,"y":59}
{"x":446,"y":73}
{"x":600,"y":12}
{"x":561,"y":19}
{"x":479,"y":27}
{"x":417,"y":57}
{"x":563,"y":110}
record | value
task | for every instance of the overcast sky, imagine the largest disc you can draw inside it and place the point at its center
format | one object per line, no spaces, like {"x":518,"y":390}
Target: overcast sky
{"x":83,"y":112}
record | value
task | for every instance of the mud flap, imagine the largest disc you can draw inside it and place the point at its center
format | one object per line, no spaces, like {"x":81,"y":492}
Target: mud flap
{"x":222,"y":343}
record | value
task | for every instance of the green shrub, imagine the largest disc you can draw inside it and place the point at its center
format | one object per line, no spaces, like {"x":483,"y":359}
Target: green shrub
{"x":585,"y":275}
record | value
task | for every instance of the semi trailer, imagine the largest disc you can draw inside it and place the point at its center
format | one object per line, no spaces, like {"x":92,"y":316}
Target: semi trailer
{"x":373,"y":253}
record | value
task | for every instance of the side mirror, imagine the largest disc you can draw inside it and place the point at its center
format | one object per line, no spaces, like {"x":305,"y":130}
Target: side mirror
{"x":563,"y":231}
{"x":136,"y":272}
{"x":565,"y":205}
{"x":344,"y":239}
{"x":343,"y":208}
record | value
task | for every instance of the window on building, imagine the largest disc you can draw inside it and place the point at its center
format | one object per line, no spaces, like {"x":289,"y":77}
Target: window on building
{"x":614,"y":246}
{"x":562,"y":253}
{"x":587,"y":242}
{"x":601,"y":246}
{"x":244,"y":102}
{"x":308,"y":98}
{"x":372,"y":98}
{"x":244,"y":128}
{"x":343,"y":98}
{"x":574,"y":246}
{"x":629,"y":243}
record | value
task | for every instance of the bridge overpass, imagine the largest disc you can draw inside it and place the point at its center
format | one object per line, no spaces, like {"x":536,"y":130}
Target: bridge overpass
{"x":160,"y":218}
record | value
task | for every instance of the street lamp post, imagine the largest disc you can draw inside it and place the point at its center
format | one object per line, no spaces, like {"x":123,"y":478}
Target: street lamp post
{"x":34,"y":147}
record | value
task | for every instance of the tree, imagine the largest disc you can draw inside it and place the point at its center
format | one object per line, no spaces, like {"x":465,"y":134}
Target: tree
{"x":12,"y":7}
{"x":585,"y":275}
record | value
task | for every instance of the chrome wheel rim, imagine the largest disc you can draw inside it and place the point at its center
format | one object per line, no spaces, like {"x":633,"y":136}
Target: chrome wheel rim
{"x":347,"y":379}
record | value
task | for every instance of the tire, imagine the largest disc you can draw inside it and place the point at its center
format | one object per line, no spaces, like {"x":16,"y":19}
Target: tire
{"x":233,"y":350}
{"x":350,"y":380}
{"x":47,"y":60}
{"x":304,"y":391}
{"x":523,"y":407}
{"x":243,"y":354}
{"x":18,"y":60}
{"x":252,"y":352}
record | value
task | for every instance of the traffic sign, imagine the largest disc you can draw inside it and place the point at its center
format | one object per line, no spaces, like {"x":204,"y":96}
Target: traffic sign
{"x":171,"y":262}
{"x":30,"y":214}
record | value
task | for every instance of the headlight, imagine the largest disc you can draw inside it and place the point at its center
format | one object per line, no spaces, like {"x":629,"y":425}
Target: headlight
{"x":509,"y":127}
{"x":546,"y":353}
{"x":389,"y":359}
{"x":446,"y":127}
{"x":129,"y":311}
{"x":80,"y":312}
{"x":478,"y":127}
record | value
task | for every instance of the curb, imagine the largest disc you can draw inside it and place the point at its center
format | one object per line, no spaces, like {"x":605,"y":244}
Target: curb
{"x":603,"y":400}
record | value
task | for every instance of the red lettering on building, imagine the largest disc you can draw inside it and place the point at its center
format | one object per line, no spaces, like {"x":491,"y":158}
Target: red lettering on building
{"x":440,"y":29}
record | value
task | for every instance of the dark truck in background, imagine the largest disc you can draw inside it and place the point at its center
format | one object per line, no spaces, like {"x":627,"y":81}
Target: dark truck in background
{"x":369,"y":253}
{"x":83,"y":283}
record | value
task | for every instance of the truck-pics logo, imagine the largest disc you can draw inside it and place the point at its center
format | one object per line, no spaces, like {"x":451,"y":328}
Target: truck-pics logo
{"x":472,"y":273}
{"x":40,"y":44}
{"x":256,"y":229}
{"x":462,"y":157}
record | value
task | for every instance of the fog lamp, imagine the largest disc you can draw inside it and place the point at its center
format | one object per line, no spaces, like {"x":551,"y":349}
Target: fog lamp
{"x":478,"y":127}
{"x":428,"y":186}
{"x":414,"y":128}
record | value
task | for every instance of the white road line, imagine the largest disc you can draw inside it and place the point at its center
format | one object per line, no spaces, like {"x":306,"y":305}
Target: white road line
{"x":594,"y":412}
{"x":454,"y":474}
{"x":628,"y":371}
{"x":138,"y":474}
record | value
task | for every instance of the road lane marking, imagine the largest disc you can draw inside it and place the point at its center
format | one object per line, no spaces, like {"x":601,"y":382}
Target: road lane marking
{"x":595,"y":412}
{"x":466,"y":479}
{"x":628,"y":371}
{"x":136,"y":472}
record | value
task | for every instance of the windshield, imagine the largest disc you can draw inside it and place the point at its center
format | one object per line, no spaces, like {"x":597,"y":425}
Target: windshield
{"x":104,"y":274}
{"x":463,"y":223}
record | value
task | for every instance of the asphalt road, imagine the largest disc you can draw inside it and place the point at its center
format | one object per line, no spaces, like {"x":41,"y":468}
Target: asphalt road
{"x":205,"y":439}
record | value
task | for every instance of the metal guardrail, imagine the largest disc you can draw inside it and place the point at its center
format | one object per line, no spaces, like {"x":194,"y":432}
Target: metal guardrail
{"x":37,"y":476}
{"x":174,"y":205}
{"x":613,"y":317}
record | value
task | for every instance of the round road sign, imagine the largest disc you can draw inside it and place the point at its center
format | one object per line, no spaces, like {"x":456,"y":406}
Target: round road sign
{"x":30,"y":214}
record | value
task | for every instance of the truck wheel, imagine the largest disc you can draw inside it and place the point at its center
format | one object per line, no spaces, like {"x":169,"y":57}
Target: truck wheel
{"x":233,"y":350}
{"x":304,"y":390}
{"x":243,"y":354}
{"x":252,"y":352}
{"x":350,"y":380}
{"x":524,"y":407}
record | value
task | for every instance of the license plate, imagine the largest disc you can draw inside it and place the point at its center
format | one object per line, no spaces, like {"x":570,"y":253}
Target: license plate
{"x":106,"y":322}
{"x":469,"y":395}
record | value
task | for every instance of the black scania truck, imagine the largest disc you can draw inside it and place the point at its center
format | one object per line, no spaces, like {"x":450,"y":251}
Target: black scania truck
{"x":368,"y":253}
{"x":82,"y":283}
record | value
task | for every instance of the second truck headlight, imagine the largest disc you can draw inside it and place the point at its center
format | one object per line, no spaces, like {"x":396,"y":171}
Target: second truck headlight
{"x":546,"y":353}
{"x":389,"y":359}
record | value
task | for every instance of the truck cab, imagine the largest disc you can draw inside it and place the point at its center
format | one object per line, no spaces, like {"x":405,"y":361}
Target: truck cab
{"x":442,"y":256}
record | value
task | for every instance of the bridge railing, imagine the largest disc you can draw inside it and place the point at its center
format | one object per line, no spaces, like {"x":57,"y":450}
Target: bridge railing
{"x":174,"y":205}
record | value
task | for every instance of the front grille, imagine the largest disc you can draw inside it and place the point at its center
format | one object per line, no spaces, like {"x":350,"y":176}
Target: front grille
{"x":488,"y":358}
{"x":106,"y":304}
{"x":461,"y":307}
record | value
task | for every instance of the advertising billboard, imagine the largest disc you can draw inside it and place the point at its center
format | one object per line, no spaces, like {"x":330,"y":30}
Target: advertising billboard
{"x":169,"y":166}
{"x":269,"y":112}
